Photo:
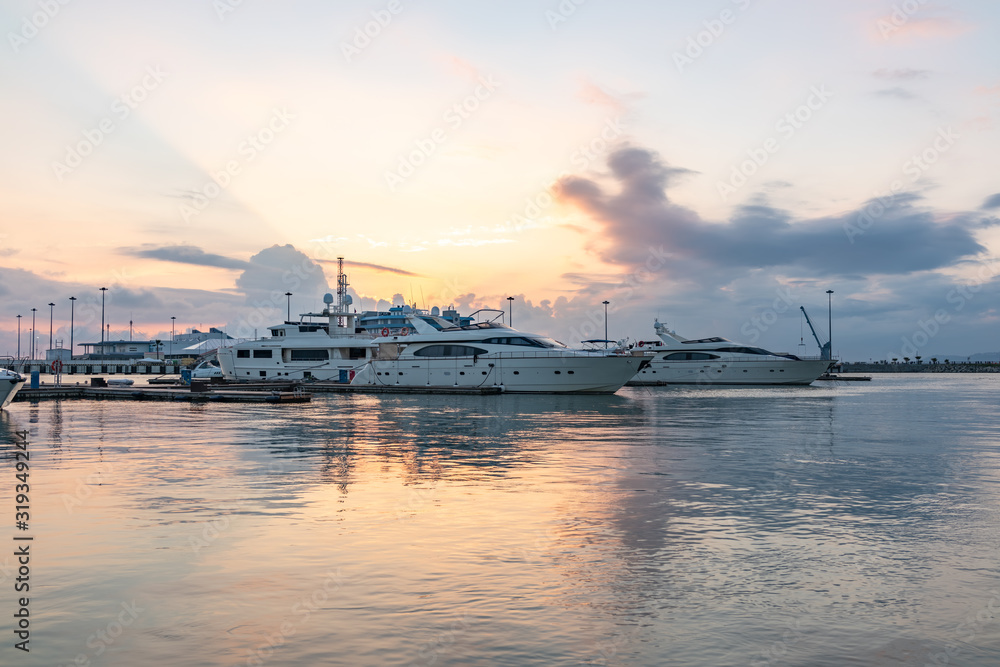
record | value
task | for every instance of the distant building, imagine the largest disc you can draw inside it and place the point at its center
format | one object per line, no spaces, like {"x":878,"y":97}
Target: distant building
{"x":191,"y":344}
{"x":118,"y":349}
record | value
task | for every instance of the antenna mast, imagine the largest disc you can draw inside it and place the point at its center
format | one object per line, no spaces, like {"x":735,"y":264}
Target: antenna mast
{"x":341,"y":290}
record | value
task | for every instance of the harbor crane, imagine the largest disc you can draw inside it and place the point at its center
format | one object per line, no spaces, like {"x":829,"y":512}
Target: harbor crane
{"x":824,"y":348}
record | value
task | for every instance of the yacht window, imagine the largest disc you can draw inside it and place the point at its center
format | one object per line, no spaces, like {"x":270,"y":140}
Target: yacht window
{"x":744,"y":350}
{"x":262,"y":354}
{"x":356,"y":353}
{"x":522,"y":341}
{"x":310,"y":355}
{"x":243,"y":354}
{"x":448,"y":351}
{"x":431,"y":321}
{"x":690,"y":356}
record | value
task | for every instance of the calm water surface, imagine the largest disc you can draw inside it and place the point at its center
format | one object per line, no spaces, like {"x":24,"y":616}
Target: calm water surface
{"x":854,"y":524}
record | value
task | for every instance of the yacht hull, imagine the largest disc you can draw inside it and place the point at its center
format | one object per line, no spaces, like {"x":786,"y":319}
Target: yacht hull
{"x":10,"y":384}
{"x":514,"y":374}
{"x":723,"y":372}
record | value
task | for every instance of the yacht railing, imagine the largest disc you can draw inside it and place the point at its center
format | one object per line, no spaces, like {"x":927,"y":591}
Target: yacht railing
{"x":539,"y":354}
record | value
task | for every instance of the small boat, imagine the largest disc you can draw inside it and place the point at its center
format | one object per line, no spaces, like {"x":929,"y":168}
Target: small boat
{"x":120,"y":382}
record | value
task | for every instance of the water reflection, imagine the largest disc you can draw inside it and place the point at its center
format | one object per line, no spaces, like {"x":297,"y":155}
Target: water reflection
{"x":656,"y":526}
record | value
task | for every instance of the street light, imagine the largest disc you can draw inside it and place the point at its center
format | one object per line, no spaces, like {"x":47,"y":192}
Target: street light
{"x":51,"y":306}
{"x":103,"y":290}
{"x":33,"y":333}
{"x":72,"y":306}
{"x":19,"y":337}
{"x":510,"y":309}
{"x":829,"y":317}
{"x":605,"y":323}
{"x":288,"y":315}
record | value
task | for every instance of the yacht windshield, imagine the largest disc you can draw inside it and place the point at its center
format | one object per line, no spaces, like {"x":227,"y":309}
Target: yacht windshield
{"x":523,"y":341}
{"x":745,"y":350}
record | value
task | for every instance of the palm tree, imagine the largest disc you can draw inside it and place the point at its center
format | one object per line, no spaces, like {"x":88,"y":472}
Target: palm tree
{"x":906,"y":360}
{"x":895,"y":359}
{"x":934,"y":360}
{"x":918,"y":358}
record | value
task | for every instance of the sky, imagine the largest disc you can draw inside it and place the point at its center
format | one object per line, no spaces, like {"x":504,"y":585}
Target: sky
{"x":715,"y":165}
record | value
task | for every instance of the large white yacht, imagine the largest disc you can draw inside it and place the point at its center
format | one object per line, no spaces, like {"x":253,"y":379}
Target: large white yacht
{"x":304,"y":350}
{"x":717,"y":361}
{"x":490,"y":354}
{"x":10,"y":383}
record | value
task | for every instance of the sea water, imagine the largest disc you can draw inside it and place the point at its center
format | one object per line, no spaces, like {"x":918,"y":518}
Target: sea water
{"x":835,"y":524}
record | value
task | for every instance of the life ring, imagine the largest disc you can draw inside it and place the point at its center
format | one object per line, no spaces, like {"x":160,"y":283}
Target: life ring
{"x":385,"y":331}
{"x":642,"y":343}
{"x":402,"y":332}
{"x":56,"y":366}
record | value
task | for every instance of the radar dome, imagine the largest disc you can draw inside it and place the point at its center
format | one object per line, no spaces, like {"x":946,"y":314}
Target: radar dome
{"x":328,"y":298}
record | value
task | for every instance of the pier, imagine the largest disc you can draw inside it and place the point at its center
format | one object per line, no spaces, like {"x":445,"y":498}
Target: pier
{"x":198,"y":395}
{"x":204,"y":392}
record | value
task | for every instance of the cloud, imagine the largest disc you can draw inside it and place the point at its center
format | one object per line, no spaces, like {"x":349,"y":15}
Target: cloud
{"x":912,"y":27}
{"x":591,"y":93}
{"x":184,"y":254}
{"x":901,"y":74}
{"x":992,"y":202}
{"x":897,"y":92}
{"x":373,"y":267}
{"x":640,"y":222}
{"x":279,"y":269}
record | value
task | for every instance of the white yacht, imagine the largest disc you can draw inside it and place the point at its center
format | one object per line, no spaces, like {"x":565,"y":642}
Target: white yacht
{"x":10,"y":383}
{"x":304,"y":350}
{"x":717,"y":361}
{"x":441,"y":354}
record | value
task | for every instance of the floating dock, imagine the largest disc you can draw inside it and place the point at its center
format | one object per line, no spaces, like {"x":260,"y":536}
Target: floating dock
{"x":284,"y":393}
{"x":161,"y":394}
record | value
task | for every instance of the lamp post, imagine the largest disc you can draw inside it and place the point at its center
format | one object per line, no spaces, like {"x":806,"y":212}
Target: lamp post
{"x":829,"y":316}
{"x":510,"y":310}
{"x":288,"y":314}
{"x":173,"y":318}
{"x":33,"y":333}
{"x":103,"y":290}
{"x":72,"y":307}
{"x":19,"y":337}
{"x":605,"y":323}
{"x":51,"y":306}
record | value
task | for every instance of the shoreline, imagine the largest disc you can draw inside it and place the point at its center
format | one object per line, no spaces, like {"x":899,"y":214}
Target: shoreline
{"x":972,"y":367}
